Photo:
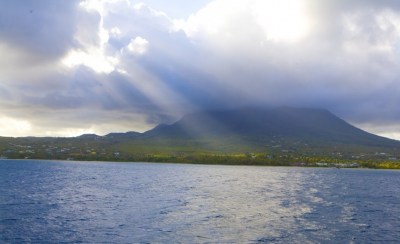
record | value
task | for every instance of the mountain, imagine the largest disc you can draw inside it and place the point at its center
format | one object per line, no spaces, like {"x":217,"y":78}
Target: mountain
{"x":281,"y":135}
{"x":261,"y":126}
{"x":129,"y":134}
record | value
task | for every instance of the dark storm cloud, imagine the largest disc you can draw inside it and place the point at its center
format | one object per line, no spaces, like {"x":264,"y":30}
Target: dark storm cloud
{"x":43,"y":28}
{"x":88,"y":89}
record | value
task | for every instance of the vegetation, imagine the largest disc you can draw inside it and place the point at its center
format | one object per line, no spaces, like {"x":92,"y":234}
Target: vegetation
{"x":129,"y":150}
{"x":286,"y":136}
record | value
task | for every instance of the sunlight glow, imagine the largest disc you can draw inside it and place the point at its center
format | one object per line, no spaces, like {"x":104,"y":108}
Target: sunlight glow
{"x":14,"y":127}
{"x":392,"y":135}
{"x":69,"y":132}
{"x":388,"y":131}
{"x":11,"y":127}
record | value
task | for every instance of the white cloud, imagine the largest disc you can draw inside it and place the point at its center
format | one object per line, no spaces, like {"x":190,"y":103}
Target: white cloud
{"x":92,"y":58}
{"x":115,"y":32}
{"x":101,"y":6}
{"x":139,"y":45}
{"x":284,"y":20}
{"x":93,"y":39}
{"x":211,"y":19}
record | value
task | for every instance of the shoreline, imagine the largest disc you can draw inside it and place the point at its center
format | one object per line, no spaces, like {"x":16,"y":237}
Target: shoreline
{"x":206,"y":163}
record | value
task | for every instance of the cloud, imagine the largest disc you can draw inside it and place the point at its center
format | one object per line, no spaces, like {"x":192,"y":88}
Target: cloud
{"x":125,"y":61}
{"x":340,"y":64}
{"x":139,"y":45}
{"x":24,"y":24}
{"x":344,"y":61}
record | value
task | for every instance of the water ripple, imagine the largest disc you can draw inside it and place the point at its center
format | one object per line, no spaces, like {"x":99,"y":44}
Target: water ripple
{"x":72,"y":202}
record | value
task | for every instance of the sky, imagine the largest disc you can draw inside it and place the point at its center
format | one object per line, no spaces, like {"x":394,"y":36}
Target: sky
{"x":99,"y":66}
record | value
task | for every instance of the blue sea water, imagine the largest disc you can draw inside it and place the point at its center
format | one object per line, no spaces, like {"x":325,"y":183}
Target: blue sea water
{"x":97,"y":202}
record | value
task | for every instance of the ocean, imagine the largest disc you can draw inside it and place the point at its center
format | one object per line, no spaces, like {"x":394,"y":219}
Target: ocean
{"x":102,"y":202}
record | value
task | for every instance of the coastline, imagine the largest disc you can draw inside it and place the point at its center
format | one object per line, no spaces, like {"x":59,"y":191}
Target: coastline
{"x":381,"y":166}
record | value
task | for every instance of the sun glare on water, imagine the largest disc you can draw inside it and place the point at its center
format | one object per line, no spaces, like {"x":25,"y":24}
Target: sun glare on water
{"x":283,"y":20}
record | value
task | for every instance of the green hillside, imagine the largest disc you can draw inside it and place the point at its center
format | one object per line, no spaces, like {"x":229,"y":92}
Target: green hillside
{"x":282,"y":136}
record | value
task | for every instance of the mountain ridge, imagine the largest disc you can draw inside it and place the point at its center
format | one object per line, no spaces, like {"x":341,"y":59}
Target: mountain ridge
{"x":280,"y":121}
{"x":281,"y":136}
{"x":296,"y":123}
